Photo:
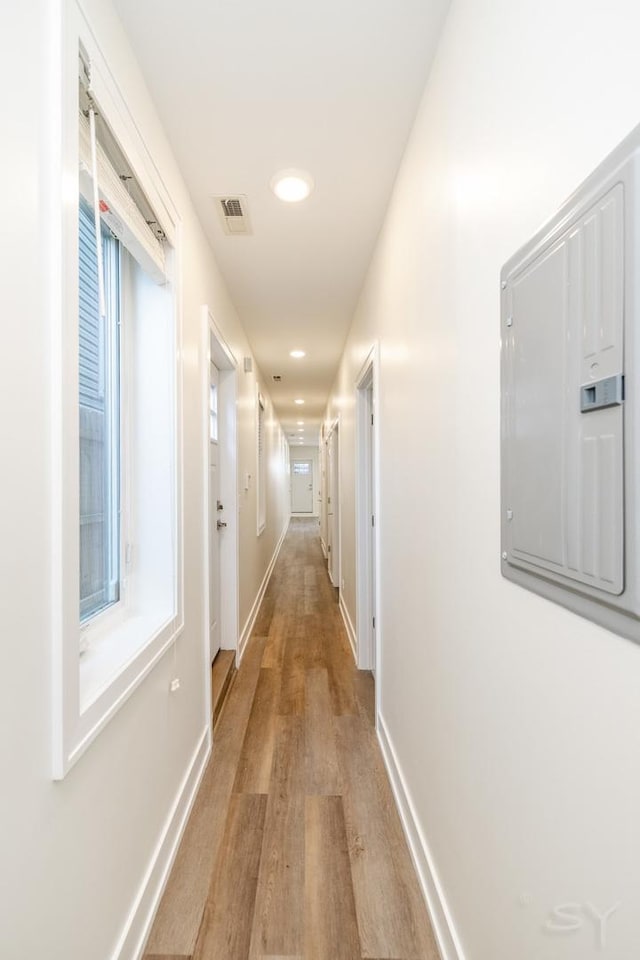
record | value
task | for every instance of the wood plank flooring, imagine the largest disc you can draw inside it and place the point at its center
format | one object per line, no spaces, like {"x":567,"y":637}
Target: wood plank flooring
{"x":294,"y":849}
{"x":222,"y":675}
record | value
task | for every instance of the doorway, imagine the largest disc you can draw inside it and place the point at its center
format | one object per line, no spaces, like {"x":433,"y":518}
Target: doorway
{"x":216,"y":524}
{"x":367,"y":540}
{"x":302,"y":486}
{"x":220,"y":514}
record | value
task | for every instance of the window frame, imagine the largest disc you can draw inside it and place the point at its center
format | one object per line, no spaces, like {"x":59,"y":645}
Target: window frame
{"x":88,"y":691}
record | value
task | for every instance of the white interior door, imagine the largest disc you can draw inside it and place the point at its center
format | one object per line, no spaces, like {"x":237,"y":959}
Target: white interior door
{"x":214,"y":515}
{"x":328,"y":507}
{"x":302,"y":486}
{"x":367,"y":542}
{"x":333,"y":507}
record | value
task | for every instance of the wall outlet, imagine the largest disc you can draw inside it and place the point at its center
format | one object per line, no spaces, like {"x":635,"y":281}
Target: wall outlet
{"x":174,"y":685}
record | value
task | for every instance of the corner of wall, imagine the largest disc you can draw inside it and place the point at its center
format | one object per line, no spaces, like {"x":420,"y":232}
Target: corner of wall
{"x":253,"y":613}
{"x":441,"y":920}
{"x":348,"y":625}
{"x":140,"y":920}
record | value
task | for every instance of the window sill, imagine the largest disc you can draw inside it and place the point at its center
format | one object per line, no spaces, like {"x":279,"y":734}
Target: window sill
{"x":105,"y":659}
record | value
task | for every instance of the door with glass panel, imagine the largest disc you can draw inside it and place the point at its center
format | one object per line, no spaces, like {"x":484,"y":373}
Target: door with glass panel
{"x":302,"y":486}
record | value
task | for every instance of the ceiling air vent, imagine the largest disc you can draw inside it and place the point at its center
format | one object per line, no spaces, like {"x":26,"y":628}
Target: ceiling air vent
{"x":277,"y":378}
{"x":234,"y":215}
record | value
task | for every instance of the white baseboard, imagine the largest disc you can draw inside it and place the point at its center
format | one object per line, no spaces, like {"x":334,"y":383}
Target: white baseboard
{"x":348,"y":625}
{"x":138,"y":925}
{"x":447,"y":939}
{"x":253,"y":614}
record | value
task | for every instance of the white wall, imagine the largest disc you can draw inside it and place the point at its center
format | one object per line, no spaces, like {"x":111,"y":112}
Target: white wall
{"x":75,"y":853}
{"x":516,"y":724}
{"x":313,"y":454}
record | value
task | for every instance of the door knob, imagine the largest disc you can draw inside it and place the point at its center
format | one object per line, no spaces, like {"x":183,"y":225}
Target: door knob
{"x":220,"y":524}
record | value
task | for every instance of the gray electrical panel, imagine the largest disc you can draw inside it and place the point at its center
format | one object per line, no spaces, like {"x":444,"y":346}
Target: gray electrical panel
{"x":570,"y":302}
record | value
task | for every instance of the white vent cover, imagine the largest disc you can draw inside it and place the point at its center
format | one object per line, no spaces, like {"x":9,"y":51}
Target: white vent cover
{"x":234,"y":215}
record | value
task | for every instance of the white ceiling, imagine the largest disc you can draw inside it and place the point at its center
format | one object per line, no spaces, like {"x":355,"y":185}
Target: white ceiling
{"x":246,"y":88}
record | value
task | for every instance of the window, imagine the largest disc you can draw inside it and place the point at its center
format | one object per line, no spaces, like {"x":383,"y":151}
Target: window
{"x":213,"y":413}
{"x":125,"y":397}
{"x":99,"y":426}
{"x":261,"y":486}
{"x":302,"y":467}
{"x":117,"y":597}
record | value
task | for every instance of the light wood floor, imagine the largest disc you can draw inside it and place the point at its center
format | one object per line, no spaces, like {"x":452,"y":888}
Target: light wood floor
{"x":222,"y":676}
{"x":294,"y":849}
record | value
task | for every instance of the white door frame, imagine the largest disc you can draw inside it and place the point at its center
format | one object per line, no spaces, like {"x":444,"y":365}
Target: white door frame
{"x":214,"y":349}
{"x":215,"y":541}
{"x":335,"y":425}
{"x":368,"y":506}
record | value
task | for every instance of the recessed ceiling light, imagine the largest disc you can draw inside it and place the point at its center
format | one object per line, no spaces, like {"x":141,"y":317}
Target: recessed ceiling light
{"x":297,"y":354}
{"x":300,"y":423}
{"x":292,"y":185}
{"x":299,"y":401}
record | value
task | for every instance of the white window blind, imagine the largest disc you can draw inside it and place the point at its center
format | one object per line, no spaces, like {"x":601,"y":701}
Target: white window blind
{"x":91,"y":366}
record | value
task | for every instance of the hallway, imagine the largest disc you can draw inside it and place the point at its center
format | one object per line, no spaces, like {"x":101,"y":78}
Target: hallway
{"x":294,"y":848}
